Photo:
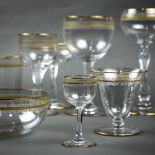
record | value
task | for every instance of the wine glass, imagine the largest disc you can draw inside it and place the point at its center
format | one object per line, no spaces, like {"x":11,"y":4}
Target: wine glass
{"x":89,"y":38}
{"x":62,"y":55}
{"x":117,"y":88}
{"x":38,"y":50}
{"x":140,"y":25}
{"x":79,"y":90}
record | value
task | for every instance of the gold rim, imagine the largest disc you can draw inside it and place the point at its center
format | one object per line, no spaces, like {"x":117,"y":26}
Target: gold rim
{"x":10,"y":57}
{"x":37,"y":34}
{"x":101,"y":70}
{"x":93,"y":25}
{"x":15,"y":58}
{"x":140,"y":13}
{"x":80,"y":79}
{"x":88,"y":17}
{"x":44,"y":101}
{"x":37,"y":42}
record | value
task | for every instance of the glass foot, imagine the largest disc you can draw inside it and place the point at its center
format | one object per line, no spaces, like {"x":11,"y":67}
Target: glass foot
{"x":109,"y":131}
{"x":56,"y":105}
{"x":52,"y":112}
{"x":73,"y":112}
{"x":72,"y":144}
{"x":143,"y":111}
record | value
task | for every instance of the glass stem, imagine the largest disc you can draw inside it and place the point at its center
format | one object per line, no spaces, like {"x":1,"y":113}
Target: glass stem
{"x":87,"y":66}
{"x":54,"y":74}
{"x":38,"y":73}
{"x":79,"y":133}
{"x":144,"y":89}
{"x":118,"y":124}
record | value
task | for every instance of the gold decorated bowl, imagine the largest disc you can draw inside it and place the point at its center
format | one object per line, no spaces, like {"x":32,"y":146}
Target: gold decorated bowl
{"x":21,"y":110}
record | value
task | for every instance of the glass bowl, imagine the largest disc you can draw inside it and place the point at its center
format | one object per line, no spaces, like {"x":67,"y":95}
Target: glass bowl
{"x":21,"y":111}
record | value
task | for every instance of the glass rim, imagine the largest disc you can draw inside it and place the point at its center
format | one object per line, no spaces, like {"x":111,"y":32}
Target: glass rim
{"x":139,"y":9}
{"x":6,"y":57}
{"x":12,"y":57}
{"x":119,"y":70}
{"x":37,"y":34}
{"x":88,"y":17}
{"x":139,"y":13}
{"x":44,"y":100}
{"x":79,"y":79}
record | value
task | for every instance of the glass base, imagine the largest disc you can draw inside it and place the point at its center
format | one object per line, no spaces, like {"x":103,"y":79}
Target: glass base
{"x":144,"y":111}
{"x":57,"y":105}
{"x":109,"y":131}
{"x":52,"y":112}
{"x":5,"y":134}
{"x":73,"y":112}
{"x":72,"y":144}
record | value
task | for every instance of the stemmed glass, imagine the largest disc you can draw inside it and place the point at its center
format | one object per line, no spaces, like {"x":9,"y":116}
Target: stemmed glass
{"x":140,"y":25}
{"x":89,"y":38}
{"x":117,"y":88}
{"x":38,"y":50}
{"x":79,"y":90}
{"x":62,"y":55}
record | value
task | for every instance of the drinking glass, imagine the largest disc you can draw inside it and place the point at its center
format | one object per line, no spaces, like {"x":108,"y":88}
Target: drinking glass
{"x":79,"y":90}
{"x":38,"y":50}
{"x":62,"y":55}
{"x":140,"y":25}
{"x":89,"y":38}
{"x":117,"y":87}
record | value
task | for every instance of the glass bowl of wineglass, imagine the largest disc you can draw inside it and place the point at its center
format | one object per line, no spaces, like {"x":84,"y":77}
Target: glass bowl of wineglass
{"x":139,"y":24}
{"x":89,"y":38}
{"x":38,"y":50}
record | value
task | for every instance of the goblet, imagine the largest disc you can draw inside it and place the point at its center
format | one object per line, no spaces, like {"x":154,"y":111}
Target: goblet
{"x":38,"y":49}
{"x":117,"y":88}
{"x":62,"y":55}
{"x":79,"y":91}
{"x":140,"y":25}
{"x":89,"y":38}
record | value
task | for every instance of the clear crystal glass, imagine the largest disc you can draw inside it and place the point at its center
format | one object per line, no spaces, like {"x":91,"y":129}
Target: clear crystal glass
{"x":62,"y":55}
{"x":38,"y":50}
{"x":139,"y":24}
{"x":79,"y":90}
{"x":89,"y":38}
{"x":117,"y":88}
{"x":11,"y":71}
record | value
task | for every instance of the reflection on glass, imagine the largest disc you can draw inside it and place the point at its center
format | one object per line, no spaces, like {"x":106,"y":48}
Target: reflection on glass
{"x":140,"y":25}
{"x":117,"y":88}
{"x":62,"y":55}
{"x":79,"y":91}
{"x":89,"y":38}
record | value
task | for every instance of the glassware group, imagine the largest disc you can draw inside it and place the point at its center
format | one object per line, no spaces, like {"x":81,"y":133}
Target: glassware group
{"x":89,"y":38}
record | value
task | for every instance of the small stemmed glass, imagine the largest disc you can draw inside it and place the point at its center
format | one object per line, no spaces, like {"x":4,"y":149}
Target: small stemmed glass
{"x":38,"y":50}
{"x":140,"y":25}
{"x":62,"y":55}
{"x":79,"y":91}
{"x":117,"y":89}
{"x":89,"y":38}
